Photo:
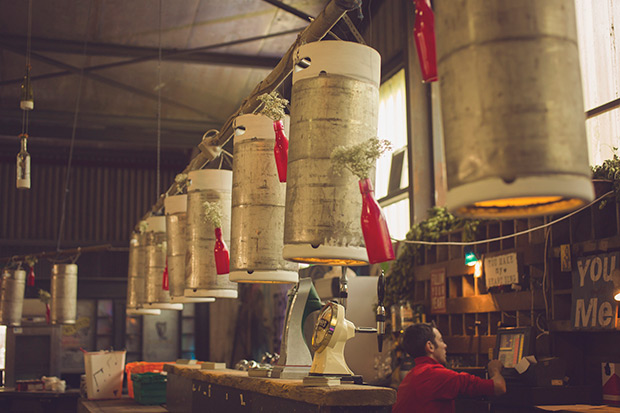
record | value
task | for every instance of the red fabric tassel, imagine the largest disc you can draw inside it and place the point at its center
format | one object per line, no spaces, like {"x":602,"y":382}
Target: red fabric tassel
{"x":30,"y":278}
{"x":222,"y":257}
{"x":48,"y":317}
{"x":280,"y":150}
{"x":424,"y":37}
{"x":165,"y":284}
{"x":374,"y":226}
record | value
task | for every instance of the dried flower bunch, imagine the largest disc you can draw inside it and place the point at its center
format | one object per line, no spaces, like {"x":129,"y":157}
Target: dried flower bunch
{"x":142,"y":227}
{"x":213,"y":213}
{"x":31,"y":260}
{"x":273,"y":105}
{"x":181,"y":181}
{"x":361,"y":158}
{"x":44,"y":296}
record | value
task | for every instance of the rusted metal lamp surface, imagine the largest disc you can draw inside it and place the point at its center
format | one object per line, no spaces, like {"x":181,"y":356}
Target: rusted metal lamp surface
{"x":513,"y":114}
{"x":201,"y":278}
{"x":12,"y":286}
{"x":334,"y":102}
{"x":258,"y":199}
{"x":176,"y":224}
{"x":136,"y":277}
{"x":155,"y":296}
{"x":64,"y":284}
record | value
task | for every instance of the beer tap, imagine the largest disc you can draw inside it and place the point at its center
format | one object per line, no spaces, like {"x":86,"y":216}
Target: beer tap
{"x":380,"y":311}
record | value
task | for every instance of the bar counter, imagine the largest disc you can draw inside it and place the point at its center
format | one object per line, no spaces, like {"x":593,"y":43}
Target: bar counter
{"x":191,"y":389}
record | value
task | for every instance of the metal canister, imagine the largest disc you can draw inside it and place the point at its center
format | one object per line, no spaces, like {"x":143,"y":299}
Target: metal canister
{"x":258,"y":199}
{"x":512,"y":107}
{"x":155,"y":296}
{"x":176,"y":224}
{"x":136,"y":276}
{"x":334,"y":102}
{"x":64,"y":285}
{"x":202,"y":280}
{"x":12,"y":297}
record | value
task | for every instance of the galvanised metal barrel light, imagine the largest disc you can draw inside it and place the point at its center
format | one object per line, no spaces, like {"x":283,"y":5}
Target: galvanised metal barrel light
{"x":512,"y":106}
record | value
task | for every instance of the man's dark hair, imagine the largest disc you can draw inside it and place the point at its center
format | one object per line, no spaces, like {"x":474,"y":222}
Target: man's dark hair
{"x":416,"y":337}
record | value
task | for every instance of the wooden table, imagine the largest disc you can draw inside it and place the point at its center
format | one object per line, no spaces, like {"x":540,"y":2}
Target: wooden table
{"x":38,"y":401}
{"x":125,"y":405}
{"x":194,"y":390}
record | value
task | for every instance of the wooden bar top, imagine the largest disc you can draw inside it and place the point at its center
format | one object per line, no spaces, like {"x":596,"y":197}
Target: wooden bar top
{"x":342,"y":395}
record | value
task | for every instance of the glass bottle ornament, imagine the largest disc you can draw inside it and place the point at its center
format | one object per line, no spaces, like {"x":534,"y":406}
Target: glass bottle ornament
{"x":23,"y":164}
{"x":374,"y":226}
{"x":166,"y":281}
{"x":222,"y":256}
{"x":424,"y":37}
{"x":280,"y":150}
{"x":26,"y":100}
{"x":30,"y":277}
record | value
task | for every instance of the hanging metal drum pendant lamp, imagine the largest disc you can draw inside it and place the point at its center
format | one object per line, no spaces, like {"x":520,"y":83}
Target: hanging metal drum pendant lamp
{"x":257,"y":206}
{"x":176,"y":223}
{"x":155,"y":296}
{"x":201,"y":278}
{"x":335,"y":102}
{"x":12,"y":289}
{"x":512,"y":107}
{"x":63,"y":306}
{"x":135,"y":277}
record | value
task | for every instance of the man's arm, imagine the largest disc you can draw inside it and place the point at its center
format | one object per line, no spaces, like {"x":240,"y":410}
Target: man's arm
{"x":495,"y":373}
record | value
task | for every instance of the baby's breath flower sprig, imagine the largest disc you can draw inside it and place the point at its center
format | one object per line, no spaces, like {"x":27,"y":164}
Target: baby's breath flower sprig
{"x":44,"y":296}
{"x":360,"y":159}
{"x":142,"y":227}
{"x":213,"y":213}
{"x":181,"y":181}
{"x":273,"y":105}
{"x":31,"y":260}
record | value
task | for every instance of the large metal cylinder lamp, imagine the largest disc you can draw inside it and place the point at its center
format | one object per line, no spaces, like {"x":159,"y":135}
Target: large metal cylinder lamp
{"x":334,"y":102}
{"x":512,"y":107}
{"x":201,"y":278}
{"x":135,"y":277}
{"x":63,"y":308}
{"x":12,"y":288}
{"x":176,"y":223}
{"x":155,"y":296}
{"x":258,"y":199}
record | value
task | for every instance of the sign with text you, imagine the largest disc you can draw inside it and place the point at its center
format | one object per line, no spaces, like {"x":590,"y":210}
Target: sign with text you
{"x":593,"y":304}
{"x":438,"y":291}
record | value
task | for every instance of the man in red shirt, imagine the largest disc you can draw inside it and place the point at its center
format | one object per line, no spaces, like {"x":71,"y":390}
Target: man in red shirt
{"x":430,"y":387}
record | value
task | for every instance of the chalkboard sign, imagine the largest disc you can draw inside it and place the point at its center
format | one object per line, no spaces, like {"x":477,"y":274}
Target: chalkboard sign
{"x":594,"y":307}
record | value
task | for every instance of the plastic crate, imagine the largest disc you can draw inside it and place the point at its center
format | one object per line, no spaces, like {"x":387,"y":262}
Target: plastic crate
{"x":149,"y":388}
{"x":142,"y":367}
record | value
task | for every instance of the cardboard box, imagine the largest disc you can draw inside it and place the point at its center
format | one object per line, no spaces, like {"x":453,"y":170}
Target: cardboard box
{"x":104,"y":374}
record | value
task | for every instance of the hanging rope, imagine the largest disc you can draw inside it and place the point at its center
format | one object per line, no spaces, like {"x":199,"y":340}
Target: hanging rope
{"x":25,"y":113}
{"x":63,"y":213}
{"x":159,"y":87}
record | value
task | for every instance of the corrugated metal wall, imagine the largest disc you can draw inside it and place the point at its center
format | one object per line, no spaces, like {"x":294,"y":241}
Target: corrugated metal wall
{"x":103,"y":204}
{"x":385,"y":29}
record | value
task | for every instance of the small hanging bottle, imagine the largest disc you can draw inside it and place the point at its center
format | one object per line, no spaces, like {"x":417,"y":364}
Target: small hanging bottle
{"x":166,"y":280}
{"x":26,"y":101}
{"x":280,"y":150}
{"x":374,"y":226}
{"x":222,"y":256}
{"x":424,"y":37}
{"x":23,"y":164}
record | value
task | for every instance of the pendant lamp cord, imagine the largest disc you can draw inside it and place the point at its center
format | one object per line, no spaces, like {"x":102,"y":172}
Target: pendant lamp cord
{"x":63,"y":213}
{"x":159,"y":87}
{"x":25,"y":113}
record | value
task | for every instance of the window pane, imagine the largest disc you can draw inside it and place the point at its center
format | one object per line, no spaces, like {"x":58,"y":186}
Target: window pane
{"x":600,"y":66}
{"x":392,"y":127}
{"x":397,"y":216}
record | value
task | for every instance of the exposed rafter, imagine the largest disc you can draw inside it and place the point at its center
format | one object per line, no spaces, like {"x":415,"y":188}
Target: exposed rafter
{"x":171,"y":53}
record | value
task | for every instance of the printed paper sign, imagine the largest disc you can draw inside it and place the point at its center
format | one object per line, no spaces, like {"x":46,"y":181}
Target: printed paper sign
{"x":438,"y":291}
{"x":501,"y":270}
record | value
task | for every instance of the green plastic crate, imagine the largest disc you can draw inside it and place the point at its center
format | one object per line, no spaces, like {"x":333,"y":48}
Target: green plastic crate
{"x":149,"y":388}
